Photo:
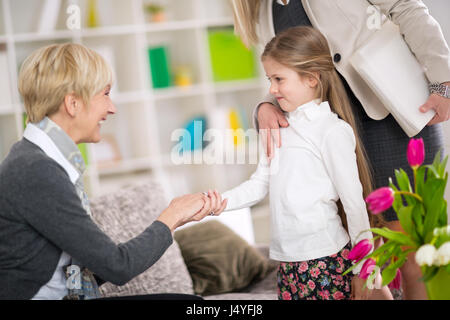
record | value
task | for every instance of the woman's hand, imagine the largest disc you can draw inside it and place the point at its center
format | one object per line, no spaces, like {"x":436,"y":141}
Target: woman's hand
{"x":183,"y":209}
{"x":440,"y":105}
{"x":192,"y":207}
{"x":270,"y":119}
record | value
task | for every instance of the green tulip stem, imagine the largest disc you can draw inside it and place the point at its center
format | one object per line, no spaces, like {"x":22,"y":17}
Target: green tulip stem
{"x":433,"y":241}
{"x":406,"y":193}
{"x":375,"y":239}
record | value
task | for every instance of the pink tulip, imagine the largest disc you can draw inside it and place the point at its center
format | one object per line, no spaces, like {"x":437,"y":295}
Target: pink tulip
{"x":380,"y":200}
{"x":367,"y":268}
{"x":397,"y":282}
{"x":416,"y":152}
{"x":360,"y":250}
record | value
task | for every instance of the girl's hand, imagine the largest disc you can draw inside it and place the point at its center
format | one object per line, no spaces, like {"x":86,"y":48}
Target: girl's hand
{"x":358,"y":292}
{"x":216,"y":207}
{"x":219,"y":204}
{"x":270,"y":119}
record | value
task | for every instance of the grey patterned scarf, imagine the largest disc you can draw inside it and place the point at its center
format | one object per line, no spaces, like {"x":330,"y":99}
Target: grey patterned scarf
{"x":87,"y":287}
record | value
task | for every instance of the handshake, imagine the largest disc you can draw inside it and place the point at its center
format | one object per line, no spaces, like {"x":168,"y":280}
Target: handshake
{"x":192,"y":207}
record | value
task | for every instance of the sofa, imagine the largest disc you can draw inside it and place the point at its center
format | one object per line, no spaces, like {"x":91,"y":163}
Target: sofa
{"x":207,"y":259}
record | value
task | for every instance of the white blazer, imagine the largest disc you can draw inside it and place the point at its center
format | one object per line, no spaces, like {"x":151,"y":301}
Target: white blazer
{"x":344,"y":24}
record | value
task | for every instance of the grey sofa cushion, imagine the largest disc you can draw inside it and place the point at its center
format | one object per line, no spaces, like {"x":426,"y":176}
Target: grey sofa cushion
{"x":123,"y":215}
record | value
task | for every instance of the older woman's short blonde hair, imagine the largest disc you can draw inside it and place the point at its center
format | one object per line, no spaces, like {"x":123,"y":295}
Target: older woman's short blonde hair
{"x":50,"y":73}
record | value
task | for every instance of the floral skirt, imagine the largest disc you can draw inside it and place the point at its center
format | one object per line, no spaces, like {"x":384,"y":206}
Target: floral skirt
{"x":318,"y":279}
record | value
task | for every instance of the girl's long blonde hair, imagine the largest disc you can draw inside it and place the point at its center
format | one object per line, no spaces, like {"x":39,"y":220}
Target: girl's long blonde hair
{"x":305,"y":50}
{"x":245,"y":15}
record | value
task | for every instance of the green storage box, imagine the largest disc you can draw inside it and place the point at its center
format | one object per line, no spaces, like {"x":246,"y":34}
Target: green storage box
{"x":160,"y":67}
{"x":230,"y":59}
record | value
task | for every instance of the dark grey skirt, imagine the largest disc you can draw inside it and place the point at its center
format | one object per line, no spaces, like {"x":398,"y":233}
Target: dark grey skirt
{"x":386,"y":145}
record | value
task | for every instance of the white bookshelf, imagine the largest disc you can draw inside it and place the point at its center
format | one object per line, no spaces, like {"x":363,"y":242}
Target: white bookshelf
{"x":146,"y":117}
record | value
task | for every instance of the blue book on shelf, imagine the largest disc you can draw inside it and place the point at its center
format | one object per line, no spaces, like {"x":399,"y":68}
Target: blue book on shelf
{"x":193,"y":135}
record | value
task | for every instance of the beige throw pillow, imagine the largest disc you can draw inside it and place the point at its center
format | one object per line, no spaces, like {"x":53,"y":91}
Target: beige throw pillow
{"x":125,"y":214}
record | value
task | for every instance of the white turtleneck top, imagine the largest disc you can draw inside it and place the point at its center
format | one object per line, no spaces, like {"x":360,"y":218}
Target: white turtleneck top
{"x":315,"y":166}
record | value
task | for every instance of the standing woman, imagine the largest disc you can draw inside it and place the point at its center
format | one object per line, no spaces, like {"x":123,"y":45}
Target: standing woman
{"x":344,"y":25}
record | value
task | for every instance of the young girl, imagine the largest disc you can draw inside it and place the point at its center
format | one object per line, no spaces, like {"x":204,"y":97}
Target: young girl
{"x":320,"y":166}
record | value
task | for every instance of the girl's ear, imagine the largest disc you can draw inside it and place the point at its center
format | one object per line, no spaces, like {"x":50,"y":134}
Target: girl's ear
{"x":313,"y":80}
{"x":71,"y":105}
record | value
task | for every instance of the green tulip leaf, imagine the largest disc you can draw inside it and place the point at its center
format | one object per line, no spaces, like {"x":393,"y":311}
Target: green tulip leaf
{"x":437,"y":158}
{"x":405,"y":217}
{"x":390,"y":271}
{"x":429,"y":273}
{"x":387,"y":247}
{"x":441,"y":236}
{"x":405,"y":185}
{"x":442,"y":167}
{"x":418,"y":216}
{"x":433,"y":202}
{"x":398,"y":237}
{"x":351,"y":268}
{"x":398,"y":201}
{"x":392,"y":185}
{"x":443,"y":218}
{"x":386,"y":254}
{"x":438,"y":165}
{"x":432,"y":172}
{"x":388,"y":274}
{"x":420,"y":179}
{"x":403,"y":180}
{"x":447,"y":268}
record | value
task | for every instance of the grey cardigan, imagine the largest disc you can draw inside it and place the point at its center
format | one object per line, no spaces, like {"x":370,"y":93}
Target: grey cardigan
{"x":41,"y":215}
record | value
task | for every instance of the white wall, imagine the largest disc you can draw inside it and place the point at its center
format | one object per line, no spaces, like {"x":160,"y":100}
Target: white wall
{"x":440,"y":10}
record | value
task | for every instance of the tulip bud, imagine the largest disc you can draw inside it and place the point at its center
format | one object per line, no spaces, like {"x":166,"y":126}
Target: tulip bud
{"x":397,"y":282}
{"x":380,"y":200}
{"x":415,"y":152}
{"x":360,"y":250}
{"x":367,"y":268}
{"x":425,"y":255}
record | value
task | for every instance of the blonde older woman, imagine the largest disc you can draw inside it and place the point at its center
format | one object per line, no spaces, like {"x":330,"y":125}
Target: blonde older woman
{"x":45,"y":223}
